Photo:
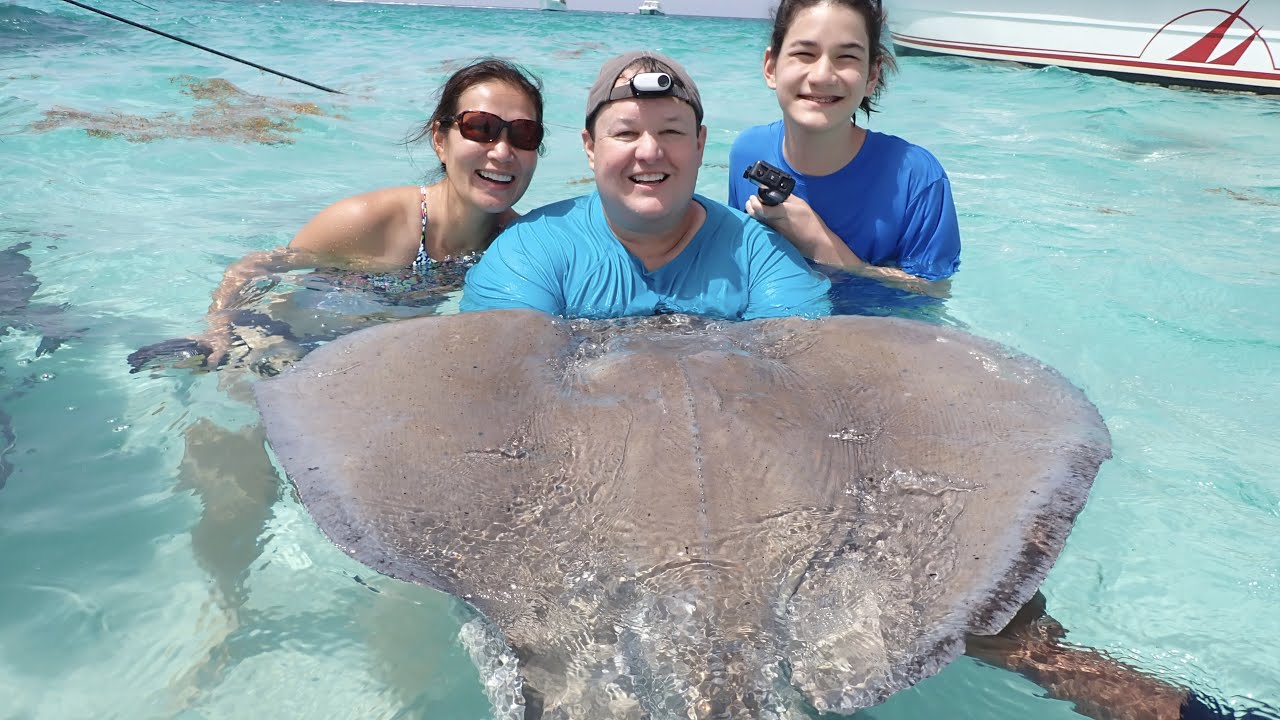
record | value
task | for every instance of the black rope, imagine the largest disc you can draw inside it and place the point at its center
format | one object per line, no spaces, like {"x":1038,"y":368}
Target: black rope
{"x":201,"y":47}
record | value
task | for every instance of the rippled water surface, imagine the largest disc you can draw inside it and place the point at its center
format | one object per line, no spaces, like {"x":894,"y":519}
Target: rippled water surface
{"x":155,"y":566}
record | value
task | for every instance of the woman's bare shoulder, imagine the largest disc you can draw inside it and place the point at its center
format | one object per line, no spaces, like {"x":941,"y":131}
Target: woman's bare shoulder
{"x":364,"y":225}
{"x":375,"y":205}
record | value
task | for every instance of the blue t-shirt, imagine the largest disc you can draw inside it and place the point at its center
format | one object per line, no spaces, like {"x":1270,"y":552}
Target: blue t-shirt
{"x":564,"y":260}
{"x":891,"y":204}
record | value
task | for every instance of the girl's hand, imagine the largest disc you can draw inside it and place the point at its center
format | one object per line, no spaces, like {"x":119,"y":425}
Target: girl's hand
{"x":793,"y":214}
{"x":795,"y":220}
{"x":799,"y":223}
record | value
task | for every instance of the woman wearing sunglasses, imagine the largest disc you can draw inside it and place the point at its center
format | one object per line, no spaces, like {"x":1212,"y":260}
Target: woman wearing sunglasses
{"x":487,"y":131}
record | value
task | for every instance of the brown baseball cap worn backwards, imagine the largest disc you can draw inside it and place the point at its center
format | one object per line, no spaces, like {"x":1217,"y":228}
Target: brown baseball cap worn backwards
{"x":603,"y":91}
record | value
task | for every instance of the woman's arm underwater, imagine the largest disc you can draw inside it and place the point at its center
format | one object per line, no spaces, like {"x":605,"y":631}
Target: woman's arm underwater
{"x":372,"y":230}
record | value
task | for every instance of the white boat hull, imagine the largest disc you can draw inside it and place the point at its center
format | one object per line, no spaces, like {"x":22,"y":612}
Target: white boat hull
{"x":554,"y":5}
{"x":1177,"y":42}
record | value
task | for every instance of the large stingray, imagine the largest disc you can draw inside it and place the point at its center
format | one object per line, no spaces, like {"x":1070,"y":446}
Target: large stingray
{"x":671,"y":518}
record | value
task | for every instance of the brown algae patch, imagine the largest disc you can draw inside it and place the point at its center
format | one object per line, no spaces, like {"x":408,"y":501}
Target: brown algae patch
{"x":222,"y":111}
{"x":1243,"y":196}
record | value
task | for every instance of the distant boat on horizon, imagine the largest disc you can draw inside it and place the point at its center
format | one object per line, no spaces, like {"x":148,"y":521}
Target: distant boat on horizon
{"x":554,"y":5}
{"x":650,"y":7}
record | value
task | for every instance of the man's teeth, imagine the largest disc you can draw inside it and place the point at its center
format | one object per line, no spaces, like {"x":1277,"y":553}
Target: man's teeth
{"x":822,"y":98}
{"x":649,"y":177}
{"x":496,"y":177}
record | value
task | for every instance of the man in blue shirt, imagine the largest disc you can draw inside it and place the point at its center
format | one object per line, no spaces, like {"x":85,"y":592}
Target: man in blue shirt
{"x":644,"y":243}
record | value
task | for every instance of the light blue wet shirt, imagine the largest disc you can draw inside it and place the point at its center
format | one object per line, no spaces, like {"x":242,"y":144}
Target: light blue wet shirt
{"x":564,"y":260}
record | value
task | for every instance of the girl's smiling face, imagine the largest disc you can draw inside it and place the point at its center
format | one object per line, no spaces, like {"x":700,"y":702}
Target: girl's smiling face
{"x":823,"y":69}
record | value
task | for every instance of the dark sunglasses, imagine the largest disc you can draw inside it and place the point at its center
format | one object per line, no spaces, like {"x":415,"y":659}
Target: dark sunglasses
{"x":485,"y":127}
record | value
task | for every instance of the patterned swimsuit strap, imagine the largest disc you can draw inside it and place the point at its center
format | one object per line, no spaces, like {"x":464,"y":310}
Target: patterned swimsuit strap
{"x":422,"y":244}
{"x":422,"y":260}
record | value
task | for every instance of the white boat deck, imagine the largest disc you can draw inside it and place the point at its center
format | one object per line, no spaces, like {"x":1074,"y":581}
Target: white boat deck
{"x":1166,"y":41}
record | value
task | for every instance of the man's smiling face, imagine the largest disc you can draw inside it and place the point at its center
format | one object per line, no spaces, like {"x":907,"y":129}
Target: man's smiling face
{"x":645,"y":155}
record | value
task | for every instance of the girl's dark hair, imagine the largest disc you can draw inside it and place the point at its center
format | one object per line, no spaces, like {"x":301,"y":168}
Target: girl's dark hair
{"x":478,"y":72}
{"x":872,"y":12}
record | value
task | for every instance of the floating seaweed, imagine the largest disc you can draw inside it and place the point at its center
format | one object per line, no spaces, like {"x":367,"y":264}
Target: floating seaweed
{"x":222,"y":111}
{"x":1243,"y":196}
{"x":579,"y":50}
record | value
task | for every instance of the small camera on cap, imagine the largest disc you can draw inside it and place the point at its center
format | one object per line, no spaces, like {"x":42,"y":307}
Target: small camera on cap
{"x":651,"y":83}
{"x":775,"y":185}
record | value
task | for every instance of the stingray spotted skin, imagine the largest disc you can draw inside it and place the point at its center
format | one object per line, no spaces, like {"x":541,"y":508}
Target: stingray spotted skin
{"x":670,"y":517}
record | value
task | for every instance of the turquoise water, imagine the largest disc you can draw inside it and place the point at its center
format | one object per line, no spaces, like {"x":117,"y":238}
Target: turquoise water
{"x":154,"y":568}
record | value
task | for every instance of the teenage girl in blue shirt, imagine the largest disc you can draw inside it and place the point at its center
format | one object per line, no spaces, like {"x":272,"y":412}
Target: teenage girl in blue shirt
{"x":870,"y":203}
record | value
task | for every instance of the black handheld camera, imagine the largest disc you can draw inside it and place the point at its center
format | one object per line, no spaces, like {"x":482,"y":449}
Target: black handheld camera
{"x":775,"y":185}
